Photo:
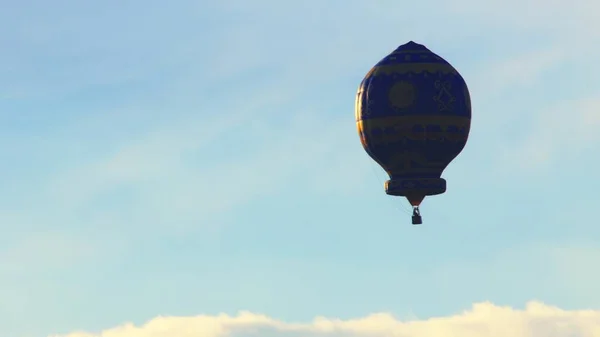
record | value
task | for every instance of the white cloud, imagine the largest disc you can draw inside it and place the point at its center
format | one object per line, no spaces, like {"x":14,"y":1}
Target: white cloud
{"x":483,"y":320}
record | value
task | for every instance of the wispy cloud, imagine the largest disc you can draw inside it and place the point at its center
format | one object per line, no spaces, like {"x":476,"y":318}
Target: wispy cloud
{"x":191,"y":169}
{"x":44,"y":252}
{"x":517,"y":72}
{"x":558,"y":133}
{"x":533,"y":17}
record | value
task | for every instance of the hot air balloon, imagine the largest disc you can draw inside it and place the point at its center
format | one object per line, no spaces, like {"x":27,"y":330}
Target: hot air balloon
{"x":413,"y":114}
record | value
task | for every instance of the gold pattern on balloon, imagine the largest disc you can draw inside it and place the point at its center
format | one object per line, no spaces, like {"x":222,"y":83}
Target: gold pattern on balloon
{"x":402,"y":95}
{"x":414,"y":68}
{"x":444,"y":98}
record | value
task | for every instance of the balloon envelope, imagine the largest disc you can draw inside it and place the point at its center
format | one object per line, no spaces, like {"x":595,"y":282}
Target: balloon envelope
{"x":413,"y":114}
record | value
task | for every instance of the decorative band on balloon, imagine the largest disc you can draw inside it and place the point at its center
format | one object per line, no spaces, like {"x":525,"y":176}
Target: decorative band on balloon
{"x":420,"y":174}
{"x":407,"y":121}
{"x":414,"y":163}
{"x":415,"y":186}
{"x":411,"y":56}
{"x":379,"y":137}
{"x":392,"y":117}
{"x":413,"y":68}
{"x":401,"y":130}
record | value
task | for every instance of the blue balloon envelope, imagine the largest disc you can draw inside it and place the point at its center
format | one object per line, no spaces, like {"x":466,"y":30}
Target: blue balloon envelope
{"x":413,"y":114}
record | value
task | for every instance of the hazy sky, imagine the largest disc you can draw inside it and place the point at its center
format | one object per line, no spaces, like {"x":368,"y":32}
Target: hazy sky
{"x":200,"y":159}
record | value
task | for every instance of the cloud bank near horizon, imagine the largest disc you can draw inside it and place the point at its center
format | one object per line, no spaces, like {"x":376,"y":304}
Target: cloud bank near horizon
{"x":482,"y":320}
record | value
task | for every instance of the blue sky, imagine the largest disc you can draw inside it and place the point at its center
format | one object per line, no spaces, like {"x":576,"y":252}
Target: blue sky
{"x":201,"y":158}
